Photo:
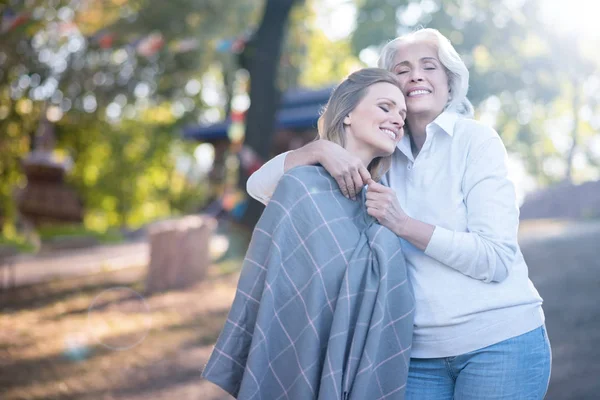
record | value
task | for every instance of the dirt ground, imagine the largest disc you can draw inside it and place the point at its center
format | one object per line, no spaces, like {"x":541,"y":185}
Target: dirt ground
{"x":97,"y":337}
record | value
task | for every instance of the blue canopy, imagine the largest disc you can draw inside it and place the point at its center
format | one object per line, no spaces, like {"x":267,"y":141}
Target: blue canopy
{"x":299,"y":110}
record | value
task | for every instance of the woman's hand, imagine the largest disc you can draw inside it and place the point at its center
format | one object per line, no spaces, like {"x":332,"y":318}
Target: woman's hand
{"x":382,"y":204}
{"x":348,"y":170}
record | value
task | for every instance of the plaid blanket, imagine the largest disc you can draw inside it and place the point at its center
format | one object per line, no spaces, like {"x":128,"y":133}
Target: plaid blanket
{"x":323,"y":308}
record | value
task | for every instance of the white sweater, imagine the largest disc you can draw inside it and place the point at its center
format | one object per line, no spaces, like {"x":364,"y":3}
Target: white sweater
{"x":471,"y":283}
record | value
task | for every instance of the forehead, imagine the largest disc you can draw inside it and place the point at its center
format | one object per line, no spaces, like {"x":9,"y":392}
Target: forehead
{"x":384,"y":89}
{"x":412,"y":51}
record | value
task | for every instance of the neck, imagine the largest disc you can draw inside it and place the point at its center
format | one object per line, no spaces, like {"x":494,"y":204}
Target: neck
{"x":417,"y":125}
{"x":361,"y":152}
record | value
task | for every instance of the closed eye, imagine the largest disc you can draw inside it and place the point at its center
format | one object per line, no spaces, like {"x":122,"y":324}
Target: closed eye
{"x":429,"y":66}
{"x":385,"y":108}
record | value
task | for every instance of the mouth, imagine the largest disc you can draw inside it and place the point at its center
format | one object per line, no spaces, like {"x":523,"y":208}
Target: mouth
{"x":394,"y":135}
{"x":418,"y":92}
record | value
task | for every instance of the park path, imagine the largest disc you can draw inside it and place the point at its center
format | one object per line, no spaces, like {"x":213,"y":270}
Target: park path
{"x":30,"y":269}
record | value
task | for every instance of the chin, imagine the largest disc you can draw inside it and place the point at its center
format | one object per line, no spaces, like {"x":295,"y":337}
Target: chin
{"x":419,"y":108}
{"x":386,"y":152}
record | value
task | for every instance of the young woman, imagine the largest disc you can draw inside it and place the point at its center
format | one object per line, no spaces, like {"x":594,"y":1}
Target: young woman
{"x":479,"y":326}
{"x":323,"y":307}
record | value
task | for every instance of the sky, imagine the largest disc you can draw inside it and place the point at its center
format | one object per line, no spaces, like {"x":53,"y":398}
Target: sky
{"x":331,"y":13}
{"x":574,"y":16}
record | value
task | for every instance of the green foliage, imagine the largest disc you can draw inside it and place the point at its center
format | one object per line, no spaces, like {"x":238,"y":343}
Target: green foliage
{"x":53,"y":232}
{"x":118,"y":111}
{"x":514,"y":58}
{"x":18,"y":243}
{"x":327,"y":61}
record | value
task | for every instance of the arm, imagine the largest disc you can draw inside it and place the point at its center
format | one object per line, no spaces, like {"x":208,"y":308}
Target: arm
{"x":345,"y":168}
{"x":382,"y":204}
{"x":489,"y":247}
{"x":262,"y":183}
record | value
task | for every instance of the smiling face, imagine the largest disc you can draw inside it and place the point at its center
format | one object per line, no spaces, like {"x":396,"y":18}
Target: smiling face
{"x":375,"y":126}
{"x":423,"y":78}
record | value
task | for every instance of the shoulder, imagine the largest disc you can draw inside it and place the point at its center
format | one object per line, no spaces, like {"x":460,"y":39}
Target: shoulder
{"x":474,"y":137}
{"x":473,"y":130}
{"x":300,"y":178}
{"x":308,"y":173}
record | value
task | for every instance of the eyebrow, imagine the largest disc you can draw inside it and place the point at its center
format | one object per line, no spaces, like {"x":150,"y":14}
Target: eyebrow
{"x":388,"y":99}
{"x":422,"y":59}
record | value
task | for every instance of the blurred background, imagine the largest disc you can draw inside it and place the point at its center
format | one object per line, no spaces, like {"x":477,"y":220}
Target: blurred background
{"x":128,"y":129}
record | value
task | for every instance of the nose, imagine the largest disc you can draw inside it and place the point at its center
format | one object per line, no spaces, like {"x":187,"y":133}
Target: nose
{"x":415,"y":75}
{"x":397,"y":120}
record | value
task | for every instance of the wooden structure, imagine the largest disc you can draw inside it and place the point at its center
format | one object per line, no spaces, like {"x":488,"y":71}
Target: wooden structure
{"x":179,"y":252}
{"x":46,"y":198}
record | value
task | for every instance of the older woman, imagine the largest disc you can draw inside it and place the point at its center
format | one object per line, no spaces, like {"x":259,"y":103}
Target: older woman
{"x":323,"y":307}
{"x":479,"y":326}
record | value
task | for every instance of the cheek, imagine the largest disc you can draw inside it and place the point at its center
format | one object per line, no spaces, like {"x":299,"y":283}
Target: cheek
{"x":403,"y":82}
{"x":443,"y":84}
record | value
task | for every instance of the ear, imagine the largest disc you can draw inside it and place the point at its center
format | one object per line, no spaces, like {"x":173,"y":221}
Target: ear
{"x":348,"y":120}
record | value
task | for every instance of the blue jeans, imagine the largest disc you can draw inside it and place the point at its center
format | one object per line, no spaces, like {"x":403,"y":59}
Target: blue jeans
{"x":515,"y":369}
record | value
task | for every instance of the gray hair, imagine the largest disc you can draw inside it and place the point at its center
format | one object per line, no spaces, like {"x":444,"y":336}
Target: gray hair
{"x":456,"y":70}
{"x":343,"y":100}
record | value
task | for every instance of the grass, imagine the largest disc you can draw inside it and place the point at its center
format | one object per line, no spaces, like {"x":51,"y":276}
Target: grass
{"x":99,"y":337}
{"x":53,"y":232}
{"x":19,"y":245}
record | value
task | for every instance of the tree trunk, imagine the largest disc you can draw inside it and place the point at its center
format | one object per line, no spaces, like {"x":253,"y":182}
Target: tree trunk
{"x":574,"y":133}
{"x":263,"y":53}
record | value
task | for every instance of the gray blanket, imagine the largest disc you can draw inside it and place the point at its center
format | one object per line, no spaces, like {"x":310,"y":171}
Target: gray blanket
{"x":323,"y":308}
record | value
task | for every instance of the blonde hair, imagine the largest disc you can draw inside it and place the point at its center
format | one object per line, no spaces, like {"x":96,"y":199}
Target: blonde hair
{"x":456,"y":70}
{"x":343,"y":100}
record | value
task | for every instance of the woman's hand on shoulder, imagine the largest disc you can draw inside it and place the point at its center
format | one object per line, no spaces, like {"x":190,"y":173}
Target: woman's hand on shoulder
{"x":347,"y":169}
{"x":383,"y":205}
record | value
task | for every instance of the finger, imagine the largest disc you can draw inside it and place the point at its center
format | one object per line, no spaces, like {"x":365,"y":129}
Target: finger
{"x":342,"y":184}
{"x":364,"y":174}
{"x":375,"y":196}
{"x":376,"y":187}
{"x":373,"y":212}
{"x":349,"y":186}
{"x":357,"y":180}
{"x":370,"y":204}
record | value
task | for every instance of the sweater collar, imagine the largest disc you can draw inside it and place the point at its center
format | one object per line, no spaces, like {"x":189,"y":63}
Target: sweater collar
{"x":445,"y":122}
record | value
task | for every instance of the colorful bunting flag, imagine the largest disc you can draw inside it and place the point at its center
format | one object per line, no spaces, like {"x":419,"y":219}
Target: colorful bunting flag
{"x":151,"y":44}
{"x":11,"y":20}
{"x":235,"y":45}
{"x":184,"y":45}
{"x":103,"y":39}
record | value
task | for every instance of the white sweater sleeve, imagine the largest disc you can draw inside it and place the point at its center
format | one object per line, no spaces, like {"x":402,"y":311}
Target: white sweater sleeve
{"x":488,"y":249}
{"x":262,"y":183}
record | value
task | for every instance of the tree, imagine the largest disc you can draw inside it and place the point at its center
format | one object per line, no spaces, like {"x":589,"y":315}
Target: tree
{"x":263,"y":55}
{"x":100,"y":66}
{"x":523,"y":73}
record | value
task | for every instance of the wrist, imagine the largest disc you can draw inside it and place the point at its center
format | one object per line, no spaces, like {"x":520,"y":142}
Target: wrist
{"x":403,"y":227}
{"x":315,"y":151}
{"x":306,"y":155}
